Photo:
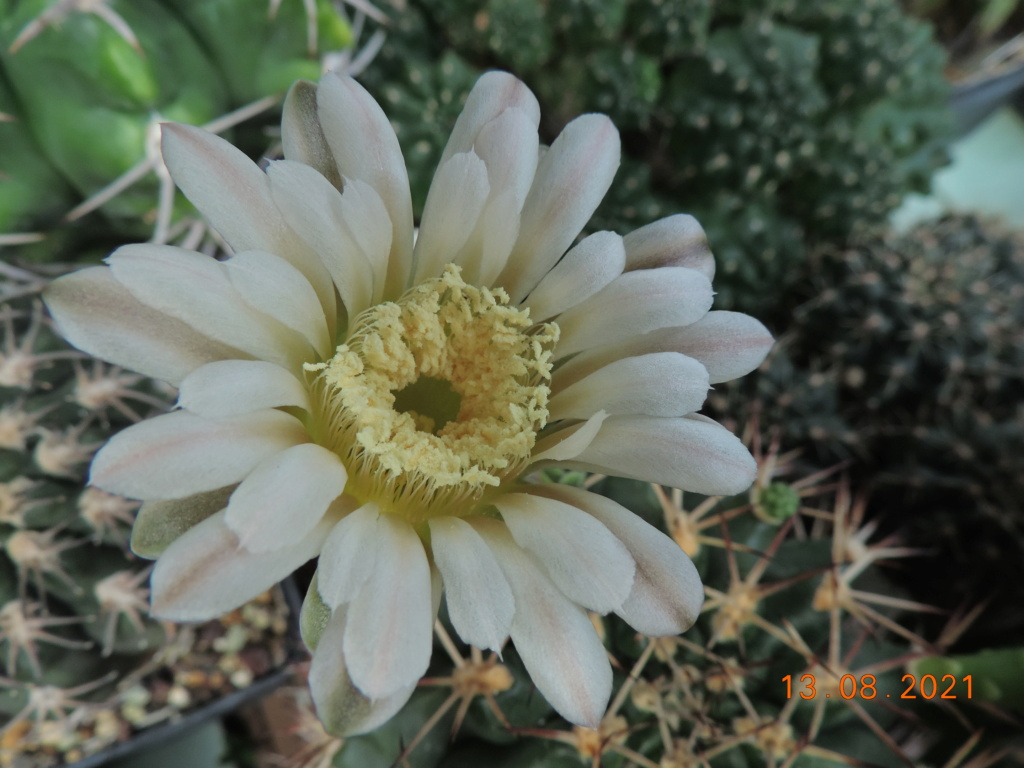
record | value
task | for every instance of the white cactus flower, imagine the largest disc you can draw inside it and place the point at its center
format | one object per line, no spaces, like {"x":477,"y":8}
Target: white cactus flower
{"x":348,"y":394}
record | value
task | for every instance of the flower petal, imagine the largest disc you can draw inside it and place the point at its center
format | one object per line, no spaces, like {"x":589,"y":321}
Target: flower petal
{"x":348,"y":555}
{"x":635,"y":303}
{"x":572,"y":178}
{"x":693,"y":453}
{"x":271,"y":285}
{"x":727,"y":344}
{"x":302,"y":137}
{"x":568,"y":443}
{"x":675,"y":241}
{"x":159,"y":523}
{"x":659,"y":384}
{"x":195,"y":289}
{"x":667,"y":593}
{"x":480,"y":601}
{"x":581,"y":556}
{"x":388,"y":637}
{"x":285,"y":496}
{"x":587,"y":268}
{"x":180,"y":454}
{"x":457,"y":195}
{"x":205,"y":573}
{"x":315,"y":614}
{"x":97,"y":314}
{"x":231,"y":387}
{"x":365,"y":147}
{"x":553,"y":635}
{"x":318,"y":212}
{"x":493,"y":94}
{"x":341,"y":707}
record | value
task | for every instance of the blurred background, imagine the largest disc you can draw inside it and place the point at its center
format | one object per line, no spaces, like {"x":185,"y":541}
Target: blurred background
{"x":858,"y":167}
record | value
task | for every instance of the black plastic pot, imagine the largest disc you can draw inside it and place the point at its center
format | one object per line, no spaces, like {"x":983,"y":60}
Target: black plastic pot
{"x":173,"y":729}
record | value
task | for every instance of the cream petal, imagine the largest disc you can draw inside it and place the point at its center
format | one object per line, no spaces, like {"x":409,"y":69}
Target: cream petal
{"x":572,"y":178}
{"x":205,"y":573}
{"x":341,"y":707}
{"x":234,"y":194}
{"x":493,"y":94}
{"x":568,"y":443}
{"x":483,"y":256}
{"x":302,"y":138}
{"x":159,"y":523}
{"x":727,"y":344}
{"x":225,"y":185}
{"x":457,"y":195}
{"x":285,"y":496}
{"x":271,"y":285}
{"x":97,"y":314}
{"x":314,"y":616}
{"x":509,"y":147}
{"x":554,"y":637}
{"x":583,"y":559}
{"x":180,"y":454}
{"x":365,"y":147}
{"x":367,"y":219}
{"x":317,"y":211}
{"x":195,"y":289}
{"x":480,"y":601}
{"x":388,"y":638}
{"x":667,"y":593}
{"x":349,"y":554}
{"x":587,"y":268}
{"x":659,"y":384}
{"x":635,"y":303}
{"x":231,"y":387}
{"x":692,"y":453}
{"x":675,"y":241}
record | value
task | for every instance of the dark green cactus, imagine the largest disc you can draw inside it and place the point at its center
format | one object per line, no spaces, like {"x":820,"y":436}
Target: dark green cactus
{"x":774,"y":123}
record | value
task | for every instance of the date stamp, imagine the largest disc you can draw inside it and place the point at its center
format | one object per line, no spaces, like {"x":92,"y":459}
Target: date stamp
{"x":866,"y":687}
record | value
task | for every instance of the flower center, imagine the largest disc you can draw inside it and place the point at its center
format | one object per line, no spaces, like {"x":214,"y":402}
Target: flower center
{"x":436,"y":399}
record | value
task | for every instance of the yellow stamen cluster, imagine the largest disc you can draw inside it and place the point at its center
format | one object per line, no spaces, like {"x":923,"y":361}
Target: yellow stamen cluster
{"x":446,"y":345}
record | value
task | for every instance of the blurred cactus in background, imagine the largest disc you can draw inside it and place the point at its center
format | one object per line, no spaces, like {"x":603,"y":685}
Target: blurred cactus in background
{"x":773,"y":123}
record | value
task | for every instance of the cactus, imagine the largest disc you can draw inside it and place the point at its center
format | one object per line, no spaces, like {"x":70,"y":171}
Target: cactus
{"x":909,"y":359}
{"x":773,"y":123}
{"x":82,"y":663}
{"x":793,"y":575}
{"x":90,"y":83}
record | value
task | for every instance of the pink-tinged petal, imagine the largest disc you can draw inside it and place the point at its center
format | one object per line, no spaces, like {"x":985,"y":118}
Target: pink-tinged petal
{"x":205,"y":573}
{"x":480,"y":601}
{"x":493,"y":94}
{"x":285,"y":496}
{"x":341,"y":707}
{"x":692,"y":453}
{"x":160,"y":523}
{"x":584,"y":560}
{"x":457,"y":195}
{"x":195,"y":289}
{"x":234,"y":194}
{"x":349,"y":553}
{"x":271,"y":285}
{"x":316,"y":209}
{"x":509,"y":147}
{"x":572,"y":178}
{"x":97,"y":314}
{"x":180,"y":454}
{"x":727,"y":344}
{"x":667,"y":593}
{"x":659,"y":384}
{"x":365,"y":147}
{"x":553,"y":635}
{"x":568,"y":443}
{"x":675,"y":241}
{"x":483,"y":256}
{"x":389,"y":634}
{"x":231,"y":387}
{"x":586,"y":269}
{"x":225,"y":185}
{"x":302,"y":137}
{"x":635,"y":303}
